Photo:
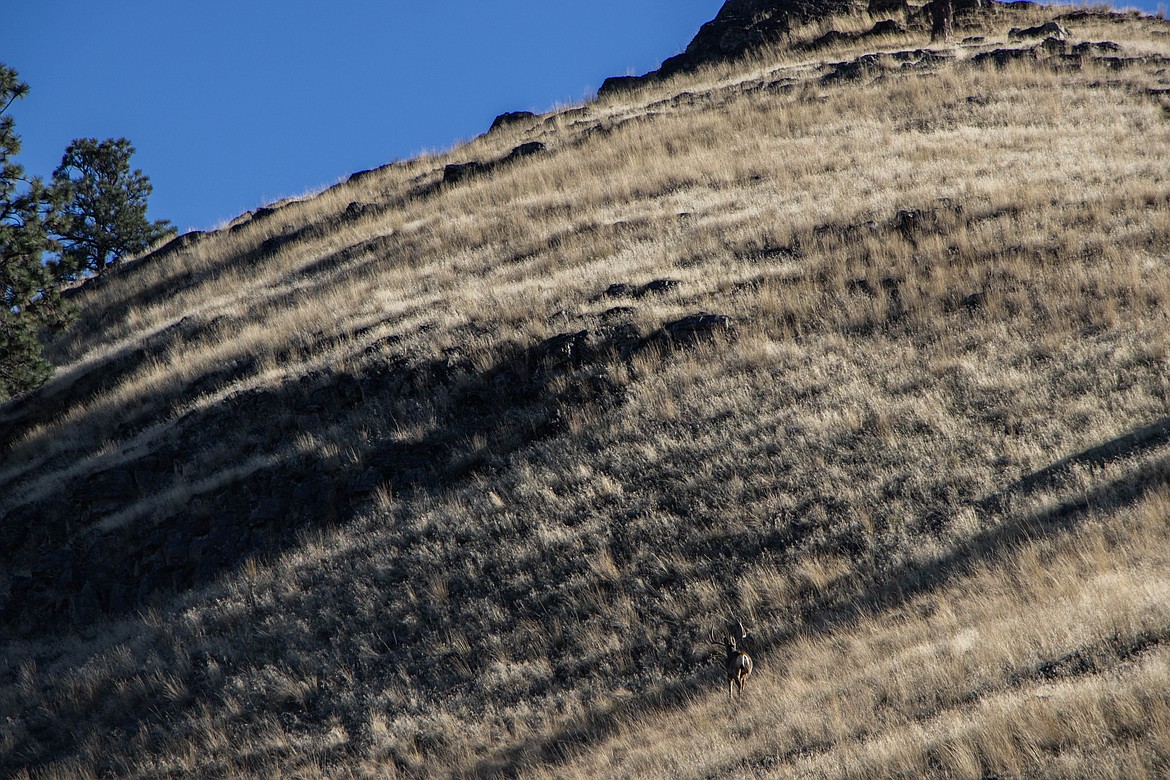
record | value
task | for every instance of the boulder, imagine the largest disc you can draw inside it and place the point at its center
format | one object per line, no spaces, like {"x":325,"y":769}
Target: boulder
{"x":359,"y":175}
{"x":696,"y":327}
{"x":626,"y":290}
{"x":457,"y":172}
{"x":357,"y":210}
{"x":1053,"y":45}
{"x":886,"y":27}
{"x":1093,"y":48}
{"x":624,"y":339}
{"x":658,"y":287}
{"x":511,"y":119}
{"x":525,"y":150}
{"x":831,"y":38}
{"x":617,"y":84}
{"x":1001,"y":57}
{"x":866,"y":65}
{"x":563,"y":349}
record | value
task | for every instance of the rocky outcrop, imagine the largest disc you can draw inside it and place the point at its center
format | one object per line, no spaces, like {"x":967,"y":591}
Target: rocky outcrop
{"x":743,"y":26}
{"x":697,"y":327}
{"x":740,"y":27}
{"x":513,"y":119}
{"x":457,"y":172}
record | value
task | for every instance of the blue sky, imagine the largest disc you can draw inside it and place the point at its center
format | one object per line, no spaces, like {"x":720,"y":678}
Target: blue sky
{"x":232,"y":104}
{"x":235,"y":103}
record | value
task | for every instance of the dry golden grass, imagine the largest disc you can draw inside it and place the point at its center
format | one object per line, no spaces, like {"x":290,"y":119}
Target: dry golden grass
{"x":1048,"y":660}
{"x":928,"y":465}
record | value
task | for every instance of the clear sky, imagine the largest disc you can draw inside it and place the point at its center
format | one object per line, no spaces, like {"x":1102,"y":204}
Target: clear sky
{"x":232,"y":104}
{"x":235,"y":103}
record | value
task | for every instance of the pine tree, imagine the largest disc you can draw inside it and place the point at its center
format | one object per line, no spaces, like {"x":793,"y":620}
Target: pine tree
{"x":29,"y":301}
{"x":101,"y":216}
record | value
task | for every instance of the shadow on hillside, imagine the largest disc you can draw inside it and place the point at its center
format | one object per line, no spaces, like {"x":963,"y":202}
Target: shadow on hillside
{"x":521,"y":399}
{"x":491,"y":400}
{"x":833,"y":610}
{"x":182,"y":534}
{"x":87,"y":384}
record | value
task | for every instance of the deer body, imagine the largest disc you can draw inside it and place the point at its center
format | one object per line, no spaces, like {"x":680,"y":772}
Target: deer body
{"x":739,"y":663}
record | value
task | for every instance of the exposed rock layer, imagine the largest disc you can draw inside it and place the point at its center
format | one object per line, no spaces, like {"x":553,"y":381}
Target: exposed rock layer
{"x":742,"y":26}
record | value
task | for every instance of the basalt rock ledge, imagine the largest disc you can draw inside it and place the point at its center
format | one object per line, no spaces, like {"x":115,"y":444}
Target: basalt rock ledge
{"x":738,"y":28}
{"x":743,"y":26}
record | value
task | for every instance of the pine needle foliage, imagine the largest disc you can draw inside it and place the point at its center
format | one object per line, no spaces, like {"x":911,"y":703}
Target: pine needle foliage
{"x":101,"y":215}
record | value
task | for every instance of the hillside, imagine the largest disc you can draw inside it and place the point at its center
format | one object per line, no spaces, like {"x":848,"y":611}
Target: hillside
{"x":453,"y":468}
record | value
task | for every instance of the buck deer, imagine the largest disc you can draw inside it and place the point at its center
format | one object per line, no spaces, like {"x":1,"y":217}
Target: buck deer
{"x":739,"y":663}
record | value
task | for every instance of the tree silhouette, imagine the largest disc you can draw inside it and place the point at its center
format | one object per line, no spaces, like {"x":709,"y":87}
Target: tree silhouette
{"x":29,"y":299}
{"x":101,"y":216}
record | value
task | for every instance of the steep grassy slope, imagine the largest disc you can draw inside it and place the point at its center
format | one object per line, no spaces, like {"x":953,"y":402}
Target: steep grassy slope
{"x":865,"y":345}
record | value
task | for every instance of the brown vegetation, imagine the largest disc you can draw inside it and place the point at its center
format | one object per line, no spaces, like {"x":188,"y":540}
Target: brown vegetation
{"x":919,"y":442}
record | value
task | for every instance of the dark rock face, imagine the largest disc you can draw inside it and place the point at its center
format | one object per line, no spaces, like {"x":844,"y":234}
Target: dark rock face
{"x":457,"y":172}
{"x":743,"y":25}
{"x":740,"y":27}
{"x":511,"y":118}
{"x":696,"y":327}
{"x":525,"y":150}
{"x":1092,"y":48}
{"x":616,"y":84}
{"x":1000,"y":58}
{"x":865,"y":65}
{"x":1058,"y":51}
{"x":355,"y":210}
